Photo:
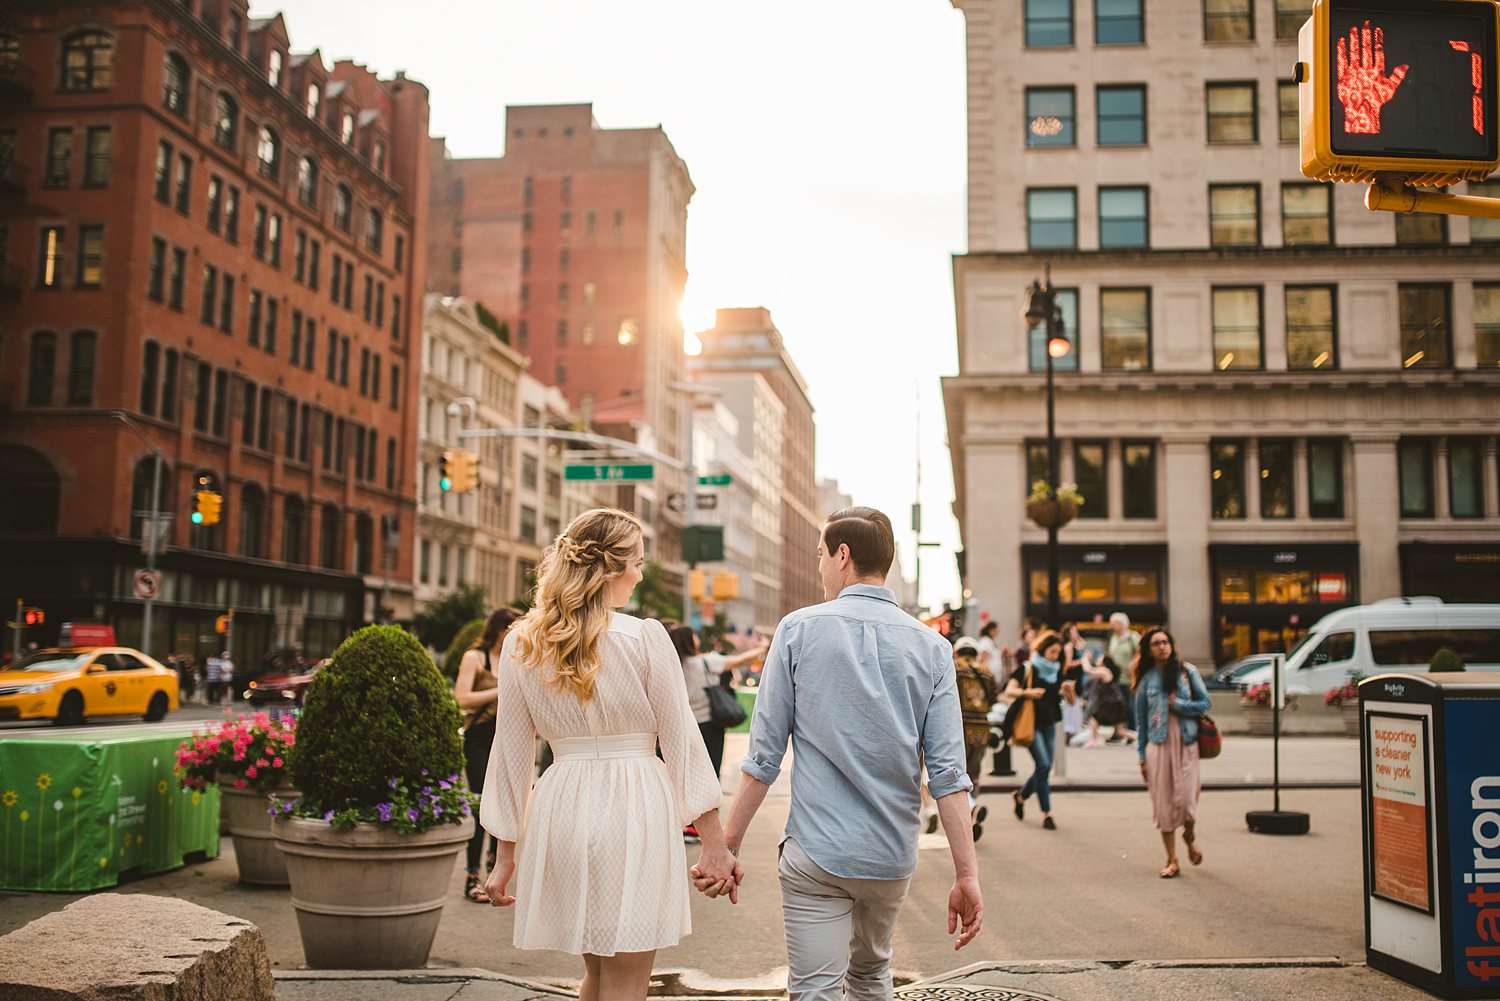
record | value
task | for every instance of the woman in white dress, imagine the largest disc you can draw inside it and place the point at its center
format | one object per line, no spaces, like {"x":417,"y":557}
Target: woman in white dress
{"x":595,"y":847}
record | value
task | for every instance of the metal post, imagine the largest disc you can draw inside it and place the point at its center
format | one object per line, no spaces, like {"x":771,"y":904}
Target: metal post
{"x":151,"y":547}
{"x":690,"y":508}
{"x":1053,"y":321}
{"x":1276,"y":682}
{"x":15,"y":647}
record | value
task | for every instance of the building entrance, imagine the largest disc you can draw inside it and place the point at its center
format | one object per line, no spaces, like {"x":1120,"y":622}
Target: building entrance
{"x":1267,"y":596}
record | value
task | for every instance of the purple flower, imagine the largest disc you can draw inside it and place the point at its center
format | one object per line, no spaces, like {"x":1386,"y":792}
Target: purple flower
{"x":437,"y":810}
{"x":466,"y":808}
{"x":445,"y":784}
{"x":453,"y":777}
{"x":328,"y":817}
{"x":412,"y":815}
{"x":385,"y":810}
{"x":424,"y":771}
{"x":392,"y":783}
{"x":427,"y":790}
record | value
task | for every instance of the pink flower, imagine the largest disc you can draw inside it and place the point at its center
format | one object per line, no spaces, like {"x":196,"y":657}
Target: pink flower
{"x":239,"y":783}
{"x":275,"y":762}
{"x":251,"y":772}
{"x":261,"y":763}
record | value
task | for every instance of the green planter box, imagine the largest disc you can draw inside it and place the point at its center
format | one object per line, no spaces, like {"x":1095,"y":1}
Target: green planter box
{"x":747,"y":699}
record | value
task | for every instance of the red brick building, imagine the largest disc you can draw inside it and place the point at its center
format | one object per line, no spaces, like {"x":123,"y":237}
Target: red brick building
{"x":576,"y":238}
{"x":212,"y":247}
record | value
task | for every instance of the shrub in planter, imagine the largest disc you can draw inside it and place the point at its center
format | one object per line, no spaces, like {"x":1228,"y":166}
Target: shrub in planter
{"x":1446,"y":659}
{"x":462,"y":640}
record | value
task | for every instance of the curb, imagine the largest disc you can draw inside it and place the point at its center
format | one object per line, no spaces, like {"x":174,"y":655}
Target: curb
{"x":1259,"y":785}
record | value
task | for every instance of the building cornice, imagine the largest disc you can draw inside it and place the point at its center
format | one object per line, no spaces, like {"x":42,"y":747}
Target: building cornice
{"x":1228,"y":255}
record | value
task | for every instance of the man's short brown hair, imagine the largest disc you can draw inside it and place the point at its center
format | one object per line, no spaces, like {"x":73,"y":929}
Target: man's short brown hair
{"x":869,"y":536}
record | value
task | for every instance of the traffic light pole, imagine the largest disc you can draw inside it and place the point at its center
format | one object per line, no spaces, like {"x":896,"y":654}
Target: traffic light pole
{"x":153,"y":542}
{"x":1386,"y":197}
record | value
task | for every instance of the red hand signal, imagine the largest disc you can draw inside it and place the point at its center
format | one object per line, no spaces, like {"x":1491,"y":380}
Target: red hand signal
{"x":1363,"y":87}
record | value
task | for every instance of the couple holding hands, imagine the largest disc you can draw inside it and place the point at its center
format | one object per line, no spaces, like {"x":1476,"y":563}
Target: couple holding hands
{"x":591,"y":855}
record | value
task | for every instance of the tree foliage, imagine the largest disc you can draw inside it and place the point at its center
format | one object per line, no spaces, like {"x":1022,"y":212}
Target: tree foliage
{"x":653,"y":598}
{"x":464,"y":639}
{"x":440,"y":620}
{"x":494,"y":324}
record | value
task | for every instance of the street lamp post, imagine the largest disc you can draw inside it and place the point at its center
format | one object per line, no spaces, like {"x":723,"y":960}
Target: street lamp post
{"x":152,"y":533}
{"x":1042,"y":308}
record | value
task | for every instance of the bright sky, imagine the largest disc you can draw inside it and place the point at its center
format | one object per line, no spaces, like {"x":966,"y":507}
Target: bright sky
{"x":826,"y":141}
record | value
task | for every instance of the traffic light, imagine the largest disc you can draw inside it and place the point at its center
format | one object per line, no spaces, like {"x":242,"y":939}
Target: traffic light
{"x":1397,"y":90}
{"x":446,"y":469}
{"x":34,"y":616}
{"x":207,"y":505}
{"x":463,"y":471}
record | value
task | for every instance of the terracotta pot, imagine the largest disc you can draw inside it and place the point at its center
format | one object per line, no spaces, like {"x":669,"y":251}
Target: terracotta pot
{"x":255,"y":851}
{"x":369,"y":898}
{"x":1051,"y":513}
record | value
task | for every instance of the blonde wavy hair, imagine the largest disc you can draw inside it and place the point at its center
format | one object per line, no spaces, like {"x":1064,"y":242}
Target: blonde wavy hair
{"x":570,"y":615}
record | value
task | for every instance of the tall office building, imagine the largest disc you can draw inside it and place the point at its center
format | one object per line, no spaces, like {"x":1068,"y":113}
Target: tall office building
{"x":1277,"y":402}
{"x":212,"y":249}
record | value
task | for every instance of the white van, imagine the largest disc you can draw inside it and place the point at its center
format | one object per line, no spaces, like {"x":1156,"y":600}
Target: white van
{"x":1396,"y":634}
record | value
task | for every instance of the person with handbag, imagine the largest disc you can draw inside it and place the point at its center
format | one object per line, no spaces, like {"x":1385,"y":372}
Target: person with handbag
{"x":1170,"y":700}
{"x":707,"y":677}
{"x":477,"y":695}
{"x":1035,"y":691}
{"x":976,"y":695}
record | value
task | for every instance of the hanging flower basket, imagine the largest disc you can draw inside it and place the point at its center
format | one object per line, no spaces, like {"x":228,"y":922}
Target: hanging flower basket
{"x":1051,"y":513}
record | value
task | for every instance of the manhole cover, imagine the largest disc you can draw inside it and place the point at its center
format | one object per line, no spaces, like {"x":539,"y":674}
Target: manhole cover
{"x":967,"y":992}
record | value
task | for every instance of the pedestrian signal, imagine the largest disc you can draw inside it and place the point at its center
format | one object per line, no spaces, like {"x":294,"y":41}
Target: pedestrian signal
{"x":34,"y":616}
{"x":207,"y":505}
{"x":1397,"y":90}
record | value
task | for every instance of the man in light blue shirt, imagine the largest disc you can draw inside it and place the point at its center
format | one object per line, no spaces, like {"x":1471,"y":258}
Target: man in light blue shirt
{"x":865,"y":693}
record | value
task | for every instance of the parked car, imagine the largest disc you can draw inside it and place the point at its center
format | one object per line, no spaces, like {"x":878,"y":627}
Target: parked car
{"x":71,"y":684}
{"x":1396,"y":634}
{"x":1228,"y":676}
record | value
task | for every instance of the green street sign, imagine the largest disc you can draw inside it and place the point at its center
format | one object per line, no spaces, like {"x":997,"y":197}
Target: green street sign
{"x":717,"y":480}
{"x":629,"y":471}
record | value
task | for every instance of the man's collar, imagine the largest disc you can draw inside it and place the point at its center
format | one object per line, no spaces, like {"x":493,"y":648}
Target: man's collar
{"x":878,"y":591}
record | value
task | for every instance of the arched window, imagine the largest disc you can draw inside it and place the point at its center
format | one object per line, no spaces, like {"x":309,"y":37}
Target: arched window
{"x":140,"y":496}
{"x":314,"y":99}
{"x":377,"y":157}
{"x":81,"y":368}
{"x":88,"y":61}
{"x":330,"y":540}
{"x":307,"y":182}
{"x":273,"y":69}
{"x":293,"y":530}
{"x":42,"y":370}
{"x":343,"y":207}
{"x":364,"y":544}
{"x":346,"y":129}
{"x":30,"y":499}
{"x":174,"y":87}
{"x":268,"y":153}
{"x":252,"y":521}
{"x":226,"y":121}
{"x":374,"y":230}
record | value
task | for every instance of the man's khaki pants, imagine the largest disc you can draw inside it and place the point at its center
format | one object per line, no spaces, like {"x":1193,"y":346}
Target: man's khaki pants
{"x":838,"y":930}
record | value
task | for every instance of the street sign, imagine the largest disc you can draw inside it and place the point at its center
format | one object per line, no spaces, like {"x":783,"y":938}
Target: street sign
{"x":717,"y":480}
{"x":147,"y":584}
{"x":708,"y":502}
{"x":627,"y":471}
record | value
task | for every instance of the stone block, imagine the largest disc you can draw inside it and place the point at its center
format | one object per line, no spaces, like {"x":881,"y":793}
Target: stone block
{"x":135,"y":947}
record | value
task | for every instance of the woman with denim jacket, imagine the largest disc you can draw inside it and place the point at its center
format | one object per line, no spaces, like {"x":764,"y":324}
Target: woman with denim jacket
{"x":1169,"y":699}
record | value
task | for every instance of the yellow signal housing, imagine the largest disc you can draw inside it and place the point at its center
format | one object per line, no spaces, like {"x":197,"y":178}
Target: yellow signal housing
{"x":726,"y":585}
{"x":1409,"y":94}
{"x":695,"y":584}
{"x":209,"y":505}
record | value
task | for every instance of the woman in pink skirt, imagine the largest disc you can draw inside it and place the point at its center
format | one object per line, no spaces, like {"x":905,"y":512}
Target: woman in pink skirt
{"x":1169,"y":700}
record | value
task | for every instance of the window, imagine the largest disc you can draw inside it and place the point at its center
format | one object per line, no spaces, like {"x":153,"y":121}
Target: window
{"x":590,"y":293}
{"x":564,"y":257}
{"x":169,"y":387}
{"x":226,"y":121}
{"x":1234,"y":215}
{"x":90,"y":256}
{"x":528,"y":523}
{"x":1424,"y":326}
{"x":1414,"y":455}
{"x":380,"y":304}
{"x":1089,"y":470}
{"x":377,"y":157}
{"x":226,"y":305}
{"x":390,"y":463}
{"x":562,"y":294}
{"x":1486,"y":323}
{"x":1228,"y":479}
{"x":364,"y":371}
{"x":1049,"y":23}
{"x":1067,"y":304}
{"x":232,"y":215}
{"x":314,"y":97}
{"x":315,"y":251}
{"x":1119,"y":22}
{"x":346,"y":129}
{"x":247,"y":415}
{"x":1050,"y":117}
{"x":1231,"y":113}
{"x":258,"y":236}
{"x":175,"y":278}
{"x":1325,"y":478}
{"x":1125,"y":329}
{"x":1121,"y":113}
{"x":202,"y":394}
{"x":293,"y":529}
{"x":215,"y":201}
{"x":348,"y":284}
{"x":1123,"y":218}
{"x":400,"y":253}
{"x":1237,"y":329}
{"x":1484,"y":230}
{"x":562,"y":333}
{"x":1276,"y":479}
{"x":586,"y":333}
{"x":1307,"y":215}
{"x":1310,"y":339}
{"x":156,"y":286}
{"x":149,"y":374}
{"x":374,"y":230}
{"x":369,"y":299}
{"x":174,"y":86}
{"x":1289,"y":17}
{"x":343,"y":207}
{"x":163,"y":187}
{"x":344,"y":361}
{"x":184,"y":182}
{"x":273,"y":69}
{"x":1052,"y":218}
{"x":268,"y":153}
{"x":525,"y":260}
{"x":396,"y":318}
{"x":1407,"y":648}
{"x":221,"y":402}
{"x":43,"y":363}
{"x":309,"y":347}
{"x":88,"y":61}
{"x":210,"y":294}
{"x":1228,"y":21}
{"x":1287,"y":123}
{"x":49,"y":265}
{"x":307,"y":182}
{"x":1419,"y":228}
{"x":424,"y":561}
{"x":253,"y":331}
{"x":330,"y":542}
{"x":395,"y":387}
{"x":331,"y":369}
{"x":1139,"y":459}
{"x":59,"y":173}
{"x":97,"y":145}
{"x":335,"y":284}
{"x":1465,"y":465}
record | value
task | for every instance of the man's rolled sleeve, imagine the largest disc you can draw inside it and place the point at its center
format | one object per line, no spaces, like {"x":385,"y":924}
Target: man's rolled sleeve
{"x":943,"y":737}
{"x":771,"y":726}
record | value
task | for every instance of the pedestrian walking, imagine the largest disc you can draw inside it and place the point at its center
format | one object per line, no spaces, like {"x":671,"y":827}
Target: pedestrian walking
{"x":976,"y":696}
{"x":866,"y":695}
{"x":1039,"y":681}
{"x":477,"y":692}
{"x":212,"y":675}
{"x":1124,"y":648}
{"x":1011,"y":661}
{"x":1169,"y":700}
{"x":990,"y":659}
{"x":595,"y":846}
{"x":1076,"y":661}
{"x":226,"y":676}
{"x":700,"y":672}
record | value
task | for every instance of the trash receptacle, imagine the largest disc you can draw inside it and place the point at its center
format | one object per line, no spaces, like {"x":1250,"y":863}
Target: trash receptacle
{"x":1430,"y":797}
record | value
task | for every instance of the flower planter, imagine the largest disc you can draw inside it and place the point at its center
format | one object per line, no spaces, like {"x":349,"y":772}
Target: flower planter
{"x":368,"y":898}
{"x":255,"y":851}
{"x":1051,"y":513}
{"x":1260,"y":721}
{"x":1350,"y":713}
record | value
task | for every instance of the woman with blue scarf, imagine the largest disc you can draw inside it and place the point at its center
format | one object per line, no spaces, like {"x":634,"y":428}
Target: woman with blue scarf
{"x":1040,"y":681}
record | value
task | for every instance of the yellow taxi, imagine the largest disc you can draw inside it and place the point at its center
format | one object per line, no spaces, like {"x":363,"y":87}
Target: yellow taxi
{"x":70,"y":684}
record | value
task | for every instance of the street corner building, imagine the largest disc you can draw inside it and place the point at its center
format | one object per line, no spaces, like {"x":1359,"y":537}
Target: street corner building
{"x":1275,"y":403}
{"x":211,"y":251}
